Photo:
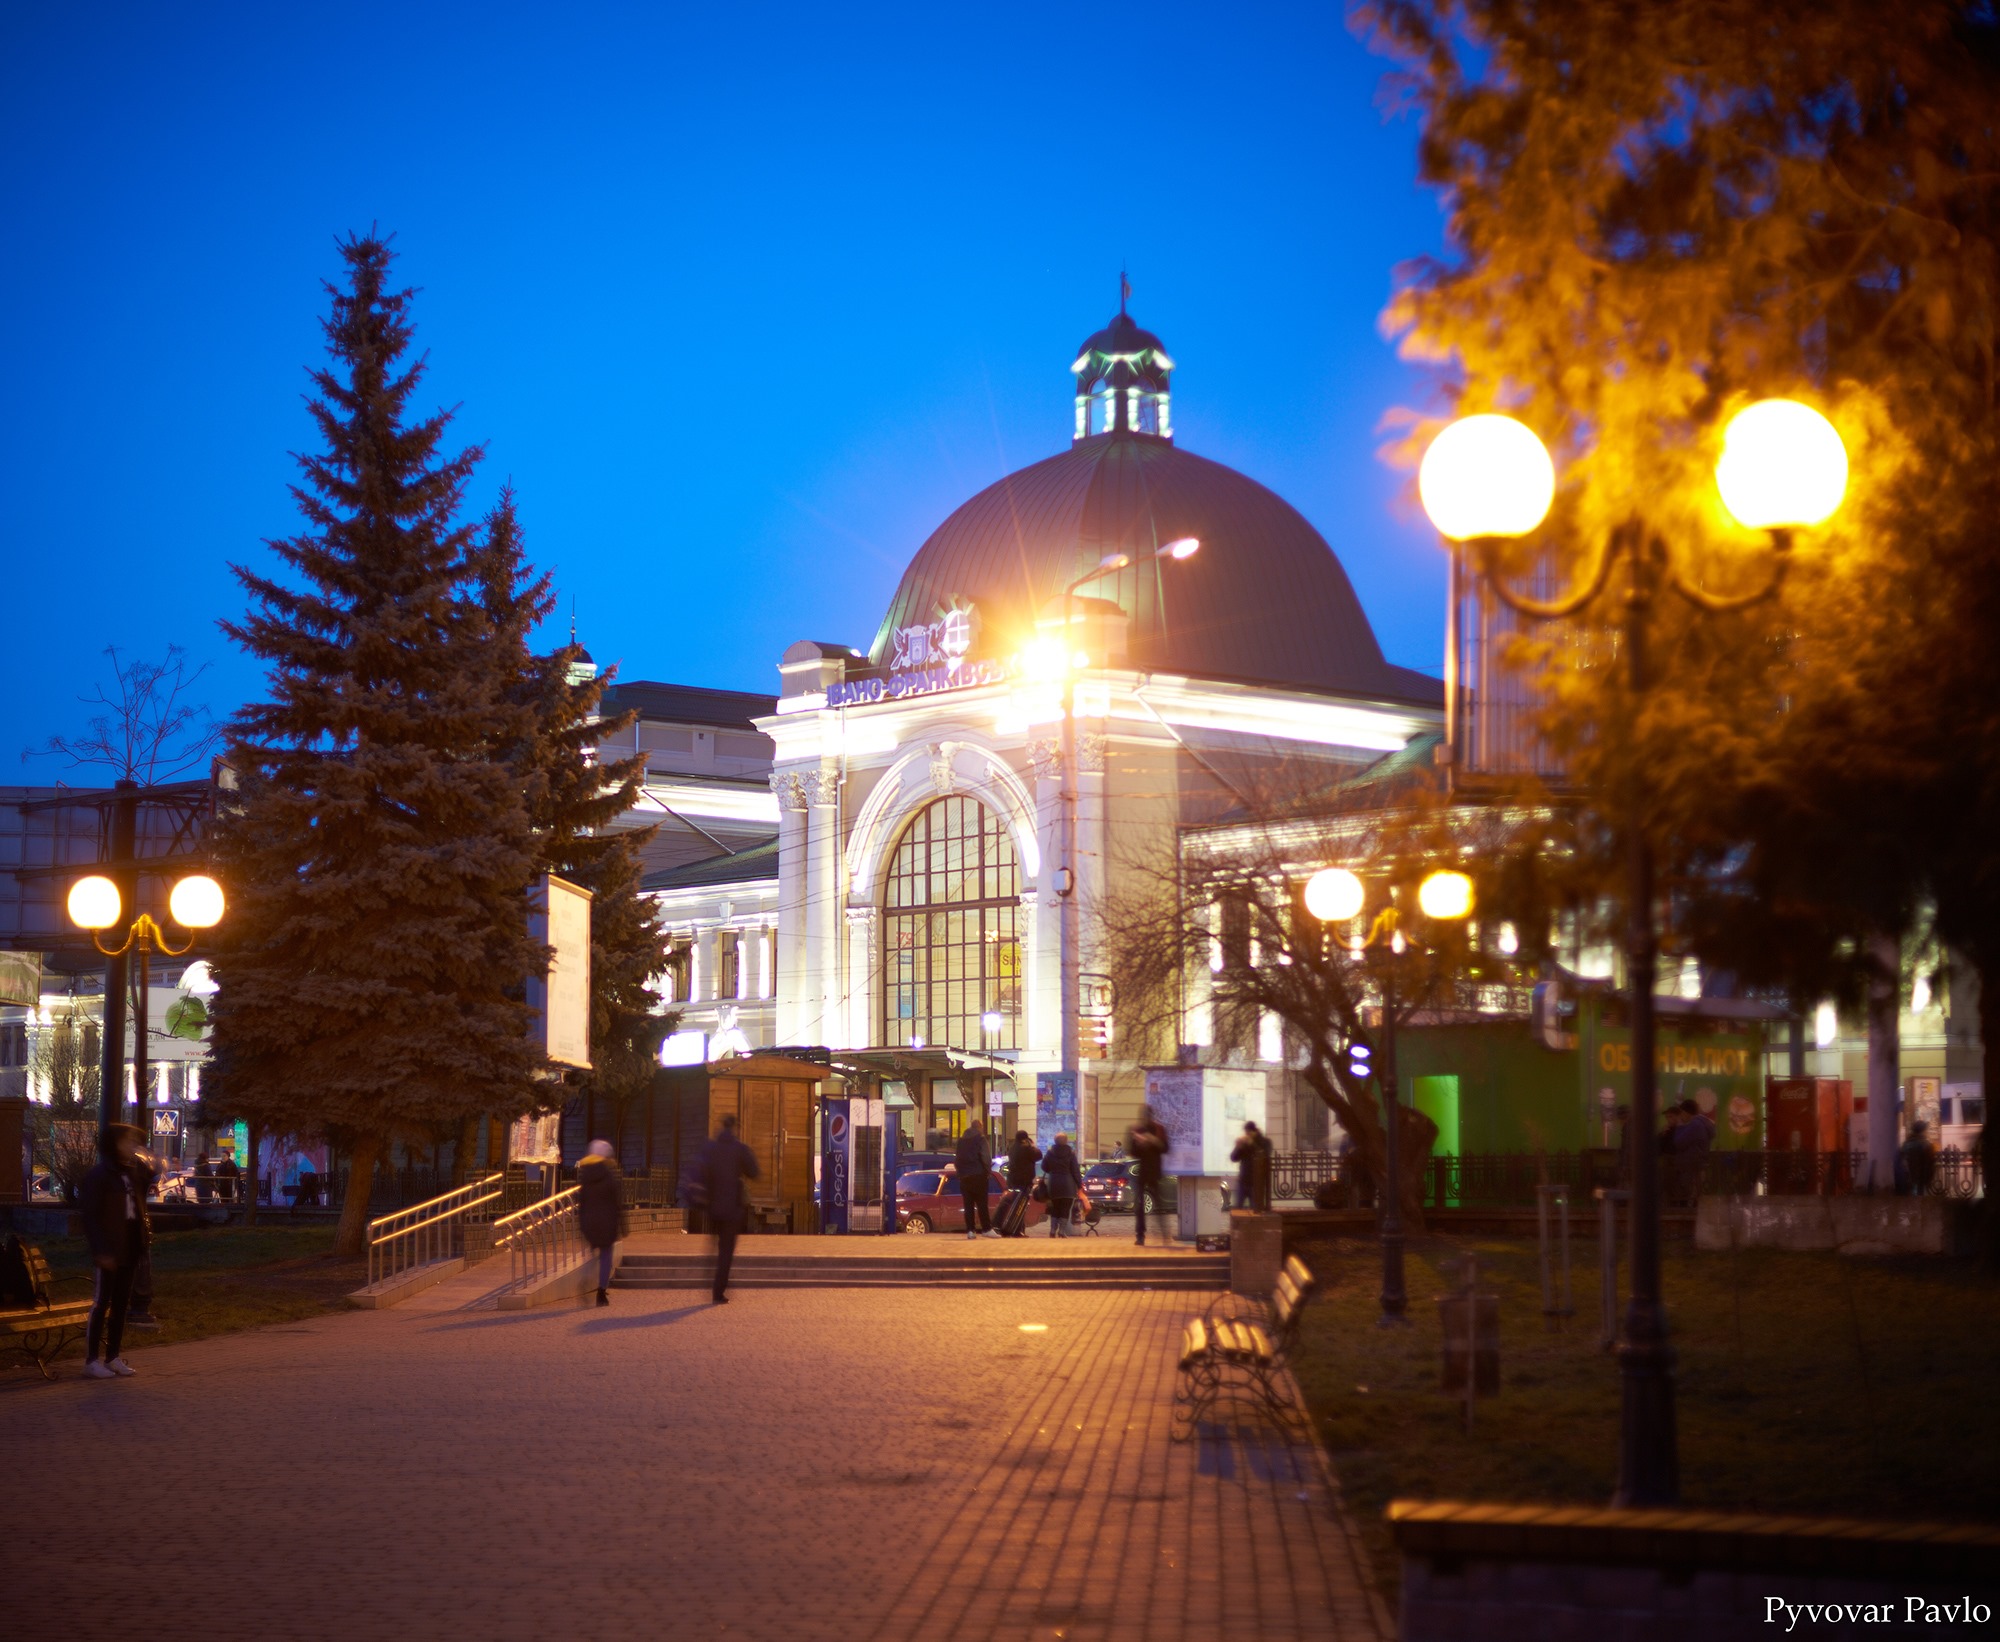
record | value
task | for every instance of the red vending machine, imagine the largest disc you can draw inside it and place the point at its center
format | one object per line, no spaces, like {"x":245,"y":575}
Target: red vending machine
{"x":1805,"y":1127}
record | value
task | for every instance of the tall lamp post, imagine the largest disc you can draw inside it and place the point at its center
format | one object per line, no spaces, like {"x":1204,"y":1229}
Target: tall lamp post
{"x":1070,"y":659}
{"x":95,"y":904}
{"x":1336,"y":896}
{"x":1489,"y":478}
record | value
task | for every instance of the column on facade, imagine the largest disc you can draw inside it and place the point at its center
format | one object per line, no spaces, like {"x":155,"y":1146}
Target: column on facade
{"x":863,"y":971}
{"x":1092,"y":876}
{"x":823,"y":908}
{"x":1042,"y":1030}
{"x":707,"y":970}
{"x":790,"y":953}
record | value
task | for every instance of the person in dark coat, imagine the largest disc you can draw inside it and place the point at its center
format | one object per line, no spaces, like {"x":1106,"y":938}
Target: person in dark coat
{"x":204,"y":1178}
{"x":1022,"y":1157}
{"x":1252,"y":1158}
{"x":724,"y":1165}
{"x":600,"y":1209}
{"x":1919,"y":1158}
{"x":112,"y":1205}
{"x":145,"y":1171}
{"x":1064,"y":1174}
{"x":228,"y":1175}
{"x":975,"y":1173}
{"x":1147,"y":1141}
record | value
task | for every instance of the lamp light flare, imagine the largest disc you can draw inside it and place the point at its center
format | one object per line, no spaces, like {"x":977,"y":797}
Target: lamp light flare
{"x":1486,"y":476}
{"x":1185,"y":547}
{"x":196,"y":902}
{"x":1333,"y":895}
{"x":94,"y":903}
{"x":1782,"y":465}
{"x":1445,"y":895}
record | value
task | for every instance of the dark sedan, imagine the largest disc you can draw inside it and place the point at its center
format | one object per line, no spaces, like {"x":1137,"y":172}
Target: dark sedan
{"x":1109,"y":1184}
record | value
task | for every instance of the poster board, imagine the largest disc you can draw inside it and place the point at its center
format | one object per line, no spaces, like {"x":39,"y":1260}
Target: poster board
{"x":559,"y":916}
{"x":1203,"y":1109}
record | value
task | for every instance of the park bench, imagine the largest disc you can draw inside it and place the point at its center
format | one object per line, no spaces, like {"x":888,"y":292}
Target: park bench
{"x":1243,"y":1357}
{"x":48,"y":1327}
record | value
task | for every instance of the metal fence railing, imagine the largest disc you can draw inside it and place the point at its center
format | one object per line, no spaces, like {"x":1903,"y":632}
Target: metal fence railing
{"x":1298,"y":1175}
{"x":543,"y":1238}
{"x":651,"y":1189}
{"x":1510,"y":1179}
{"x":426,"y":1231}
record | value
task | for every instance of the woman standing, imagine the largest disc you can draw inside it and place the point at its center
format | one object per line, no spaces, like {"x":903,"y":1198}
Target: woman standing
{"x":600,"y":1209}
{"x":1064,"y":1174}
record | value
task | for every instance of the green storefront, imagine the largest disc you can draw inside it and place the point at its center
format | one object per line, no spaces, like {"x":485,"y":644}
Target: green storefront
{"x":1491,"y":1085}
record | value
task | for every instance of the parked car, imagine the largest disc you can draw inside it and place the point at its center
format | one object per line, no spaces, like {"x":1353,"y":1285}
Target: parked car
{"x":44,"y":1188}
{"x":1109,"y":1184}
{"x":928,"y":1200}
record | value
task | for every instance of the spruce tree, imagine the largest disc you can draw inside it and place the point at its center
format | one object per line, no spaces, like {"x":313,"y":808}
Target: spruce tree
{"x":574,"y":799}
{"x":378,"y":846}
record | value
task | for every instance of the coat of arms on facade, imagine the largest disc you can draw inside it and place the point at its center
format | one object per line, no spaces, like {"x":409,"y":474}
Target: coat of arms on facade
{"x":941,"y":643}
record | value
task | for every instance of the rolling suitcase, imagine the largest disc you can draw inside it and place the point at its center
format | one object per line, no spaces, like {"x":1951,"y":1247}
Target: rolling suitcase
{"x":1010,"y":1218}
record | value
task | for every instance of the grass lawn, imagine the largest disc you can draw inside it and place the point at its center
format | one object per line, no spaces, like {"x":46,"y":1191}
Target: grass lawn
{"x":1809,"y":1383}
{"x":219,"y":1279}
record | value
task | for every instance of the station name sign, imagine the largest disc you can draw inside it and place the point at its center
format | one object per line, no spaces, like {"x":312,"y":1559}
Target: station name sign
{"x":924,"y":659}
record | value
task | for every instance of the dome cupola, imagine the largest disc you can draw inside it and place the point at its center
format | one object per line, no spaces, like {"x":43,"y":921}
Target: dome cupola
{"x":1121,"y":382}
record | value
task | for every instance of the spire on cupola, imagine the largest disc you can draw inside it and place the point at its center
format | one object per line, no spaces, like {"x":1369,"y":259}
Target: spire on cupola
{"x":1121,"y":379}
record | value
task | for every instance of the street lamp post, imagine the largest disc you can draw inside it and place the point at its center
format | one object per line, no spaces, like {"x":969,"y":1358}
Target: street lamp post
{"x":1335,"y":895}
{"x":1070,"y":944}
{"x":96,"y":904}
{"x":1488,"y":478}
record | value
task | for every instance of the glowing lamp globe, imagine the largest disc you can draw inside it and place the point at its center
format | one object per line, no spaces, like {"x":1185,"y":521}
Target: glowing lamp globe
{"x":1185,"y":547}
{"x":1333,"y":895}
{"x":1486,"y":476}
{"x":1782,"y":465}
{"x":94,"y":903}
{"x":196,"y":903}
{"x":1445,"y":895}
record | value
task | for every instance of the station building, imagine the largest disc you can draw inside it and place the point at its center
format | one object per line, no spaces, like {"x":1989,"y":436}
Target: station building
{"x":901,"y":914}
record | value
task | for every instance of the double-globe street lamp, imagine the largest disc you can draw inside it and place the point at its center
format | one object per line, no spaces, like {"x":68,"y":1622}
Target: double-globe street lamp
{"x":1335,"y":895}
{"x":96,"y":905}
{"x":1488,"y":478}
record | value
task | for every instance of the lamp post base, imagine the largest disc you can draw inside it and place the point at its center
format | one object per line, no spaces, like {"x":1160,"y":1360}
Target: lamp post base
{"x":1395,"y":1296}
{"x":1648,"y":1452}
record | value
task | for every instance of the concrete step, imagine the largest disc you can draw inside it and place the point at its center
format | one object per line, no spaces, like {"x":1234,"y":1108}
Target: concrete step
{"x":1191,"y":1272}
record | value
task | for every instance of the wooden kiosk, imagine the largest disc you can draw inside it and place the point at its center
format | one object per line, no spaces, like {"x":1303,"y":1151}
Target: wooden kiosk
{"x":774,"y":1101}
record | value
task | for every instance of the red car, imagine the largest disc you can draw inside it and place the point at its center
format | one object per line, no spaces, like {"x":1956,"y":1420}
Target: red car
{"x":928,"y":1200}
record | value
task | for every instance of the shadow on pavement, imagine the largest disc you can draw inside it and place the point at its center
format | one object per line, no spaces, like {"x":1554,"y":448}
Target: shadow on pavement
{"x":650,"y":1319}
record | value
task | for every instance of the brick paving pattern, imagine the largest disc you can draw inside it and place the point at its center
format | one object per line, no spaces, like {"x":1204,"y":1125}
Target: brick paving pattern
{"x":800,"y":1464}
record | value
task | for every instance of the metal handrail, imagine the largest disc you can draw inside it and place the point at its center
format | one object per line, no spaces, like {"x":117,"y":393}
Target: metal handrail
{"x":425,"y":1231}
{"x":544,"y":1237}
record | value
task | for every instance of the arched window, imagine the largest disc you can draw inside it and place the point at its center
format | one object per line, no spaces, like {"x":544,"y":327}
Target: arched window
{"x":951,"y":938}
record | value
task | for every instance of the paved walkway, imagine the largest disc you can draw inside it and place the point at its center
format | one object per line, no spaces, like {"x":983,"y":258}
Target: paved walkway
{"x":802,"y":1464}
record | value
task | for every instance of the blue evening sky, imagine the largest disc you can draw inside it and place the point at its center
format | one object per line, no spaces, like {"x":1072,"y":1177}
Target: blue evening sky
{"x":744,"y":299}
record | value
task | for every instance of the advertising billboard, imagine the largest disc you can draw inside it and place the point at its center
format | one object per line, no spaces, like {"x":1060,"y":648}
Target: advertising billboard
{"x":560,"y":916}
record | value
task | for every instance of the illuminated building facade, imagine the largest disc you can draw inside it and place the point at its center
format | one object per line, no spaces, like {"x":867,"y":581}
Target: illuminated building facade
{"x":907,"y":901}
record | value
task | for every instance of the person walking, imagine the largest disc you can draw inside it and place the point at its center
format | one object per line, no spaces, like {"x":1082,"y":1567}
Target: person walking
{"x":1064,"y":1175}
{"x":111,"y":1204}
{"x":1252,"y":1158}
{"x":1919,"y":1158}
{"x":1147,"y":1141}
{"x":600,"y":1209}
{"x":724,"y":1165}
{"x":975,"y":1172}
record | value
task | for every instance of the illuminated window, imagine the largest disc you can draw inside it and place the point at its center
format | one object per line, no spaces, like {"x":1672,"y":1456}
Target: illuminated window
{"x":728,"y":967}
{"x":951,"y":936}
{"x":680,"y":972}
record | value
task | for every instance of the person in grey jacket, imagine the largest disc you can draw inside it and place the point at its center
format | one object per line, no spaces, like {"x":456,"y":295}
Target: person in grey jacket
{"x":724,"y":1165}
{"x":112,"y":1206}
{"x":600,"y":1209}
{"x":1064,"y":1174}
